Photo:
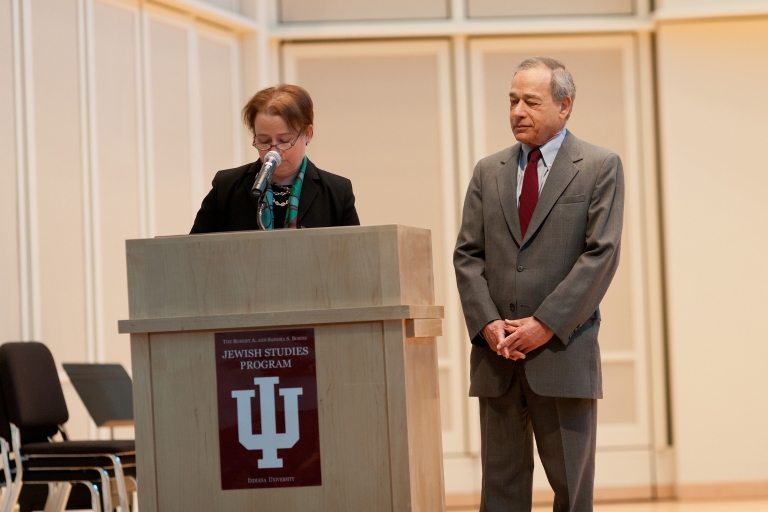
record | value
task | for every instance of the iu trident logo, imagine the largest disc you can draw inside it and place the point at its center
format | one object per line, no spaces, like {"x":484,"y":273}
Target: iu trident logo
{"x":269,"y":441}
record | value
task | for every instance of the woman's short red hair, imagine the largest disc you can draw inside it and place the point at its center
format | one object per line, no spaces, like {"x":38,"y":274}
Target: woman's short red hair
{"x":290,"y":102}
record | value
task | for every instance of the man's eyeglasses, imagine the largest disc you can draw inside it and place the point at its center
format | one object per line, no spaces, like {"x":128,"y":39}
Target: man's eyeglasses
{"x":282,"y":146}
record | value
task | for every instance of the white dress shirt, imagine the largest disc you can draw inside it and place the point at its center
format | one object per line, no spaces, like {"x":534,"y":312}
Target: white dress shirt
{"x":548,"y":153}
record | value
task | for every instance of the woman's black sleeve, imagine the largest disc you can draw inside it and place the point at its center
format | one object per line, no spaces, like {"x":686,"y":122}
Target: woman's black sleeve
{"x":208,"y":219}
{"x":349,"y":214}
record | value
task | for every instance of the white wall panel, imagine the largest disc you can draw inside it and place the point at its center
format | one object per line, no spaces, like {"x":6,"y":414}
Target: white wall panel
{"x":619,"y":404}
{"x":605,"y":113}
{"x":598,"y":114}
{"x":73,"y":153}
{"x":169,"y":124}
{"x":219,"y":107}
{"x":366,"y":118}
{"x":118,"y":147}
{"x":10,"y":298}
{"x":383,"y":119}
{"x":712,"y":78}
{"x":339,"y":10}
{"x":56,"y":173}
{"x":488,"y":8}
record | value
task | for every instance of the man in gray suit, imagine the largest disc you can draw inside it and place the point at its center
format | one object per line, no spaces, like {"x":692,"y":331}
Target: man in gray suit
{"x":538,"y":247}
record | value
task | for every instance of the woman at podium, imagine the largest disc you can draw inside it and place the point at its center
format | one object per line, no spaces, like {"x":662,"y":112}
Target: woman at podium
{"x":299,"y":195}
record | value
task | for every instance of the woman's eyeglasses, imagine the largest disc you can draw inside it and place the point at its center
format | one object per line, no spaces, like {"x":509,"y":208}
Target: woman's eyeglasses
{"x":282,"y":146}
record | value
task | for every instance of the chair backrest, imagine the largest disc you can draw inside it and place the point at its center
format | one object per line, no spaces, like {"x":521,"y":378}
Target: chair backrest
{"x":5,"y":426}
{"x":32,"y":390}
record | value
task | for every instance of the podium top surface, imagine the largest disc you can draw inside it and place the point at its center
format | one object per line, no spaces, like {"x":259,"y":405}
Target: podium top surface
{"x":279,"y":233}
{"x":280,"y":319}
{"x":260,"y":272}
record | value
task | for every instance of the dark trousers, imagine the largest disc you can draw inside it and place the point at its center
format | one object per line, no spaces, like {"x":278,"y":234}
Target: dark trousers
{"x":565,"y":431}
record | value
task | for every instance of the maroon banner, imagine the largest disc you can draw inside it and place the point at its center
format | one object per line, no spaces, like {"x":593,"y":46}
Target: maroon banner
{"x":268,"y":426}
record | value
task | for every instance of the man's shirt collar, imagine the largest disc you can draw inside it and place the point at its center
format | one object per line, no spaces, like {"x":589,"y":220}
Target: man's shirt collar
{"x":548,"y":150}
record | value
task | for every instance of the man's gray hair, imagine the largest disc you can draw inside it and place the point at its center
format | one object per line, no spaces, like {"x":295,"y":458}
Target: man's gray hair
{"x":561,"y":86}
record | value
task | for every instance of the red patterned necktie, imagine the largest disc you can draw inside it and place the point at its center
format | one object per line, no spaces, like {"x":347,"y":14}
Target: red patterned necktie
{"x":530,"y":193}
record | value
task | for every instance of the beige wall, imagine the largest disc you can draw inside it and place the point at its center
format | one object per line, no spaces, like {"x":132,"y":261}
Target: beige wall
{"x":10,"y":298}
{"x":116,"y":138}
{"x":56,"y":165}
{"x":402,"y":171}
{"x":114,"y":115}
{"x":109,"y":101}
{"x":712,"y":88}
{"x":607,"y":112}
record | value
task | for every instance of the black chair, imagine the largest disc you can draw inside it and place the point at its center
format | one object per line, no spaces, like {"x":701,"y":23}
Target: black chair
{"x":37,"y":412}
{"x":59,"y":481}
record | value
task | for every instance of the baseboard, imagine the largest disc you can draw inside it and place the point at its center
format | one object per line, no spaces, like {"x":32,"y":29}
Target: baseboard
{"x":602,"y":495}
{"x":729,"y":490}
{"x":463,"y":501}
{"x":722,"y":490}
{"x":543,"y":497}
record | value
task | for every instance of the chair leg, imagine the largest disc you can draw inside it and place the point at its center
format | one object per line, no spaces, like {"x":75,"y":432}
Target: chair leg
{"x":95,"y":498}
{"x":64,"y":497}
{"x":53,"y":495}
{"x":5,"y":460}
{"x":58,"y":495}
{"x":6,"y":495}
{"x":134,"y":495}
{"x":106,"y":490}
{"x":13,"y":496}
{"x":15,"y":488}
{"x":120,"y":480}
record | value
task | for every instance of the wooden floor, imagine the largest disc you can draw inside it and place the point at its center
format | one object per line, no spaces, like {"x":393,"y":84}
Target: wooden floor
{"x":667,"y":506}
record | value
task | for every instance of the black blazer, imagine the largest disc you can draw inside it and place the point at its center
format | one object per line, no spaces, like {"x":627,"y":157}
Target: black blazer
{"x":326,"y":200}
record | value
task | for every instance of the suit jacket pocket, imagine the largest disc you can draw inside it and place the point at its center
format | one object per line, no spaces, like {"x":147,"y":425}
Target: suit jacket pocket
{"x":571,"y":199}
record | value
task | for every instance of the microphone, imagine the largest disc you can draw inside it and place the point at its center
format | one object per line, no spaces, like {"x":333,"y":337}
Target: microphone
{"x":271,"y":160}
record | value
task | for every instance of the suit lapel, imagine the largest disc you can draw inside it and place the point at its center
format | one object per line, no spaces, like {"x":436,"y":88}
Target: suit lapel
{"x":506,"y":180}
{"x":308,"y":191}
{"x":560,"y":175}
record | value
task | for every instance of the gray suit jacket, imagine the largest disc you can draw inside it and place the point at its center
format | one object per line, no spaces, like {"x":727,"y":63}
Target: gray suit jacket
{"x":558,"y":273}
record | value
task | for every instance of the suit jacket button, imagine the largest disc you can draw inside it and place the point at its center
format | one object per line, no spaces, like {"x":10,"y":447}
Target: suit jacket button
{"x":512,"y":307}
{"x":519,"y":268}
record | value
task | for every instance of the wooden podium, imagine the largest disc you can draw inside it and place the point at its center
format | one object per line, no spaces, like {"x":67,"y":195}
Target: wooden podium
{"x":368,"y":292}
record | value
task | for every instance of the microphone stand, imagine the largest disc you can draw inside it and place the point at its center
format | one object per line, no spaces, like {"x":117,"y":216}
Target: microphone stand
{"x":262,"y":205}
